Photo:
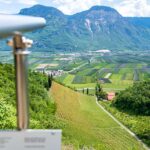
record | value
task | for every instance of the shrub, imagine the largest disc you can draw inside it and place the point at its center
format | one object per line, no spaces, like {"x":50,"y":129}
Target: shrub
{"x":135,"y":99}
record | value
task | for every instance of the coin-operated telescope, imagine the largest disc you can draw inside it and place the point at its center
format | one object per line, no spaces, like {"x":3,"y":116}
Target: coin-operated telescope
{"x":14,"y":25}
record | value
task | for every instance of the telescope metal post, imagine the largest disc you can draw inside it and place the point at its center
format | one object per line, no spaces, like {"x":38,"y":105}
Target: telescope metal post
{"x":20,"y":58}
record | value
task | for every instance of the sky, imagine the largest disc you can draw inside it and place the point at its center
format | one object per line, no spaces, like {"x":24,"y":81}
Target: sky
{"x":140,"y":8}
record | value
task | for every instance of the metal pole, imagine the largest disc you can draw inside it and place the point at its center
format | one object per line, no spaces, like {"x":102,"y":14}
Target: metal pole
{"x":20,"y":58}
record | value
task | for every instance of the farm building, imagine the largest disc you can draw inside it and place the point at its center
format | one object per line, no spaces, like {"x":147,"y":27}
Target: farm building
{"x":54,"y":73}
{"x":104,"y":80}
{"x":111,"y":96}
{"x":103,"y":51}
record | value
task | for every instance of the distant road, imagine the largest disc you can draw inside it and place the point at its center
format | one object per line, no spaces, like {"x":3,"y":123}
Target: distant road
{"x":90,"y":88}
{"x":77,"y":68}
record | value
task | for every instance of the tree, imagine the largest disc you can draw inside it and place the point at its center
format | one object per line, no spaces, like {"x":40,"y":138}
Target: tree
{"x":83,"y":91}
{"x":50,"y":77}
{"x":135,"y":99}
{"x":100,"y":94}
{"x":87,"y":92}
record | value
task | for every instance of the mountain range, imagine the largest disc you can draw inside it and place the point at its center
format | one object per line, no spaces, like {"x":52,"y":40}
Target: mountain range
{"x":100,"y":27}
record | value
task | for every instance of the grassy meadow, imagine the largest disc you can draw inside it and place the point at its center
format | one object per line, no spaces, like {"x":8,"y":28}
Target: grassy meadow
{"x":121,"y":78}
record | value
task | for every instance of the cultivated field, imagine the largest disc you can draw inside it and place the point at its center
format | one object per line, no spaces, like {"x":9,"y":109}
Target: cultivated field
{"x":121,"y":69}
{"x":88,"y":126}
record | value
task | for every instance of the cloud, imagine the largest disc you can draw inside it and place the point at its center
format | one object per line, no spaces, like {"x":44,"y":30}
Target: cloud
{"x":6,"y":1}
{"x":134,"y":8}
{"x":5,"y":12}
{"x":125,"y":7}
{"x":28,"y":2}
{"x":74,"y":6}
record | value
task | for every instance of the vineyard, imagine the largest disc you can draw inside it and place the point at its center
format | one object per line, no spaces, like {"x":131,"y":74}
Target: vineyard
{"x":88,"y":126}
{"x":139,"y":124}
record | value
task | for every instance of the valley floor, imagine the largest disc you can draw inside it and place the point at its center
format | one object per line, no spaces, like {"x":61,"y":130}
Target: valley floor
{"x":88,"y":126}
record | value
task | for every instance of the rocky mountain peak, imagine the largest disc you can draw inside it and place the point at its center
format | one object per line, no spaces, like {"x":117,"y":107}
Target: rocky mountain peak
{"x":96,"y":28}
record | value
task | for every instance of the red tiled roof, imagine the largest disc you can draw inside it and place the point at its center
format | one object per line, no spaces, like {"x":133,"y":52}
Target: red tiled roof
{"x":110,"y":96}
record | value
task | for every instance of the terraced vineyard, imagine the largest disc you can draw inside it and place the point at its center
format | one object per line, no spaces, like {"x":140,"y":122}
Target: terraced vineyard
{"x":88,"y":126}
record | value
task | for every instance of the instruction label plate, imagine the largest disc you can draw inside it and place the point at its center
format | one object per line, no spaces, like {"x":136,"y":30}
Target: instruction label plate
{"x":30,"y":140}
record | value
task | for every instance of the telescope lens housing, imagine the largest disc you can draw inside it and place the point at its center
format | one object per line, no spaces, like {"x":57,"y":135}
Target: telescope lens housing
{"x":18,"y":23}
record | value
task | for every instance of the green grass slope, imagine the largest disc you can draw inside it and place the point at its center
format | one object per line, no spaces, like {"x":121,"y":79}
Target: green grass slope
{"x":88,"y":126}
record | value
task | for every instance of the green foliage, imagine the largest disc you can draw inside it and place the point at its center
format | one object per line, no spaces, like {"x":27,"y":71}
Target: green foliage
{"x":7,"y":115}
{"x":42,"y":109}
{"x":135,"y":99}
{"x":100,"y":94}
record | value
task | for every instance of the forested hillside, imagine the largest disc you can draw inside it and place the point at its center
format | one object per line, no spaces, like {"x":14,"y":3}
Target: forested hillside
{"x":42,"y":109}
{"x":99,"y":27}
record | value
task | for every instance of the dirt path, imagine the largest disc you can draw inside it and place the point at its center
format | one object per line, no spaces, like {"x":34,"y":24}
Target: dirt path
{"x":124,"y":127}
